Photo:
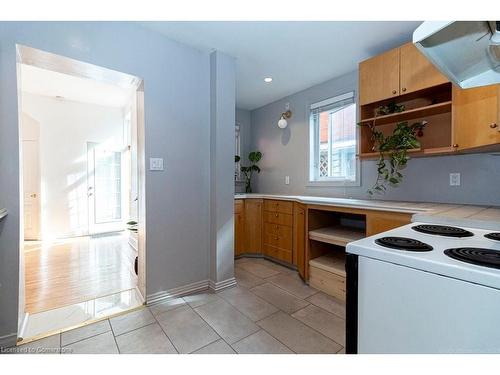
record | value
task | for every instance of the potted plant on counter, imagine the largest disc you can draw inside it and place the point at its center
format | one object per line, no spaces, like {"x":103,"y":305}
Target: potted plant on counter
{"x":254,"y":157}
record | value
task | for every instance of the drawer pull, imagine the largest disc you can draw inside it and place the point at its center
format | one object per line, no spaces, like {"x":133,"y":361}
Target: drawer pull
{"x":276,"y":215}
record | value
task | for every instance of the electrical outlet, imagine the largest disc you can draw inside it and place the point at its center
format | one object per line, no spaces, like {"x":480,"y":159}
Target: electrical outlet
{"x":287,"y":180}
{"x":454,"y":179}
{"x":156,"y":164}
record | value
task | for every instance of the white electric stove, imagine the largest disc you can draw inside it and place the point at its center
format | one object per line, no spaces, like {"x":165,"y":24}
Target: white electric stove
{"x":424,"y":288}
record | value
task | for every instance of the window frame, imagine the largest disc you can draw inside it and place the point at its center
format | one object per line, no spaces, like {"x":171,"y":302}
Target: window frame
{"x":313,"y":165}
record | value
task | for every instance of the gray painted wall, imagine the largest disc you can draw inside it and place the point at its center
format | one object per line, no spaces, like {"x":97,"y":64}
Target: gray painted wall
{"x":286,"y":152}
{"x":222,"y":118}
{"x":243,"y":117}
{"x":177,"y":128}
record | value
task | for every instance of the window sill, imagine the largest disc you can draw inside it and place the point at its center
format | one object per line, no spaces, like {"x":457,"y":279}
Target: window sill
{"x":327,"y":183}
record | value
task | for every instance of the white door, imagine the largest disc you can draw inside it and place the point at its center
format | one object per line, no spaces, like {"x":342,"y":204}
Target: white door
{"x":31,"y":189}
{"x":104,"y":189}
{"x":30,"y":133}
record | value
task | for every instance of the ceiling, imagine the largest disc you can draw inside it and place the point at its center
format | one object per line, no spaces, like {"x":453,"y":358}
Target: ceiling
{"x":297,"y":55}
{"x":45,"y":82}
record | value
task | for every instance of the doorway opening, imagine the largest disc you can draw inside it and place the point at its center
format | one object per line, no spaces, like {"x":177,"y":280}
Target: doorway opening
{"x":81,"y":132}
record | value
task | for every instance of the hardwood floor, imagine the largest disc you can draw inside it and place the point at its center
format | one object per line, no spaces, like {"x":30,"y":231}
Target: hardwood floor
{"x":76,"y":270}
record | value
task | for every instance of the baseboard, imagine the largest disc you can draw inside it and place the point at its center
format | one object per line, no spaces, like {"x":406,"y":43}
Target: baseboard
{"x":181,"y":291}
{"x":8,"y":341}
{"x":23,"y":325}
{"x":185,"y":290}
{"x":220,"y":285}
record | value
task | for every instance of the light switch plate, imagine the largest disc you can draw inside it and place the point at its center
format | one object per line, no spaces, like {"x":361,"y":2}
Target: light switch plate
{"x":287,"y":180}
{"x":156,"y":164}
{"x":454,"y":179}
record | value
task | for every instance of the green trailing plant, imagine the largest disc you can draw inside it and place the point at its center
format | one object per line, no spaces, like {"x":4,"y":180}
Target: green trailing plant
{"x":391,"y":107}
{"x":254,"y":157}
{"x":132,"y":226}
{"x":393,"y":153}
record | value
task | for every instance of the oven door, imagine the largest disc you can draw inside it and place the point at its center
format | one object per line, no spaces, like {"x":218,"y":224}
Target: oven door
{"x":405,"y":310}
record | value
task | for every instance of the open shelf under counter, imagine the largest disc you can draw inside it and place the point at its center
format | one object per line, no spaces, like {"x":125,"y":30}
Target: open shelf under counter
{"x":333,"y":262}
{"x":337,"y":235}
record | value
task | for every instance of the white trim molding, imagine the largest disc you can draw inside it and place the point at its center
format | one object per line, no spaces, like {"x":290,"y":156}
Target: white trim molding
{"x":221,"y":285}
{"x":185,"y":290}
{"x":180,"y":291}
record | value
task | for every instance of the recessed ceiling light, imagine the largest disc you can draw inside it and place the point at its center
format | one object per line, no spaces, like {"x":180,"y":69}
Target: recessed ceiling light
{"x":268,"y":80}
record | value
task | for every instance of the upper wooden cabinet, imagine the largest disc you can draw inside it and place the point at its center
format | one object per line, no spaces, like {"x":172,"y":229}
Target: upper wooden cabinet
{"x":416,"y":72}
{"x":379,"y":77}
{"x":400,"y":71}
{"x":476,"y":117}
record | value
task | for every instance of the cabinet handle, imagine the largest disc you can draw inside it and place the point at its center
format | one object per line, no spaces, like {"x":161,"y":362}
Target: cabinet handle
{"x":455,"y":145}
{"x":276,"y":215}
{"x":493,"y":126}
{"x":276,"y":237}
{"x":403,"y":89}
{"x":394,"y":92}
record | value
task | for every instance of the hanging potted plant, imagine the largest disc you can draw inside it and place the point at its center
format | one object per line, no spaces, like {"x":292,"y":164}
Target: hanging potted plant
{"x":393,"y":153}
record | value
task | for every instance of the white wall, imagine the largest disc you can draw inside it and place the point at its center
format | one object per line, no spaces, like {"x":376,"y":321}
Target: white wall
{"x":65,"y":129}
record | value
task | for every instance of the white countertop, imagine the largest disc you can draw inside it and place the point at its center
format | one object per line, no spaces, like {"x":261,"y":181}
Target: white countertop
{"x":485,"y":217}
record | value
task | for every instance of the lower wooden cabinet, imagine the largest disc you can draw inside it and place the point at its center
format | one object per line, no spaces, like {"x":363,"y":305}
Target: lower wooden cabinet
{"x":299,"y":238}
{"x":378,"y":222}
{"x":278,"y":230}
{"x":253,"y":226}
{"x":239,"y":227}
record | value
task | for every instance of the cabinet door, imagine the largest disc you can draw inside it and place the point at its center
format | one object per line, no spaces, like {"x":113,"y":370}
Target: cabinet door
{"x":253,"y":226}
{"x":239,"y":233}
{"x":379,"y":77}
{"x":299,"y":232}
{"x":476,"y":116}
{"x":416,"y":72}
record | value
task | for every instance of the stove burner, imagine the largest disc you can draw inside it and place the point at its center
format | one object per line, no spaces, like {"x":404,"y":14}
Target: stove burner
{"x":403,"y":243}
{"x":493,"y":236}
{"x":442,"y":230}
{"x":475,"y":255}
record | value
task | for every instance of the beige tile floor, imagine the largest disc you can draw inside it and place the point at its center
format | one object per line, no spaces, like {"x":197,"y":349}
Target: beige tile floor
{"x":270,"y":311}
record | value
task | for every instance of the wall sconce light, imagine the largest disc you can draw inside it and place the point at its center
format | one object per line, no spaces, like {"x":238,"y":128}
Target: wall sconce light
{"x":282,"y":123}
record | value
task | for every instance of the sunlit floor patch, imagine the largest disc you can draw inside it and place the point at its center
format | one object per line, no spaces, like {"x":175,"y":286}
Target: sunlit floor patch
{"x":71,"y":316}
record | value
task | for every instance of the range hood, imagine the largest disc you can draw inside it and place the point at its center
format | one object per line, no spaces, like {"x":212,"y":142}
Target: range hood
{"x":467,"y":52}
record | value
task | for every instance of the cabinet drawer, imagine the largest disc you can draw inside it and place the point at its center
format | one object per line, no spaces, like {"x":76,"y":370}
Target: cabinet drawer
{"x":238,"y":206}
{"x":283,"y":241}
{"x":327,"y":282}
{"x":278,"y":206}
{"x":278,"y":230}
{"x":278,"y":253}
{"x":278,"y":218}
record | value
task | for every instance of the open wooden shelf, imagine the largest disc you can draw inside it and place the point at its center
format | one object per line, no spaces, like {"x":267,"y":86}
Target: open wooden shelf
{"x":333,"y":262}
{"x":336,"y":235}
{"x":415,"y":152}
{"x":429,"y":110}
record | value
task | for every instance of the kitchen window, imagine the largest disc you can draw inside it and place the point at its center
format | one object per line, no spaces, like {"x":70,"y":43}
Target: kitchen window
{"x":333,"y":142}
